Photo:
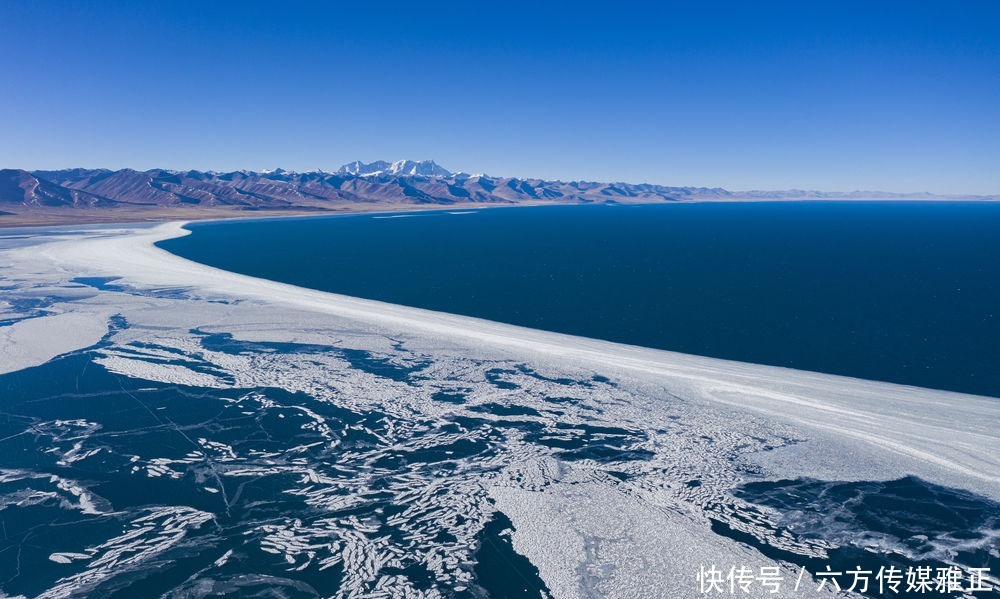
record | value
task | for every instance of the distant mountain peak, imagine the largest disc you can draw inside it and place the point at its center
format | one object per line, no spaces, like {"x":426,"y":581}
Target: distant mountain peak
{"x":426,"y":168}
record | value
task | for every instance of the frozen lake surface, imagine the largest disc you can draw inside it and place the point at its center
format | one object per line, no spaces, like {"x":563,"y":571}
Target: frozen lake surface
{"x":172,"y":429}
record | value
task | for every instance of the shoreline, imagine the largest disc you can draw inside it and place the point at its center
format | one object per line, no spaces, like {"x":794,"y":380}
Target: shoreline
{"x":97,"y":217}
{"x":193,"y":215}
{"x":897,"y":422}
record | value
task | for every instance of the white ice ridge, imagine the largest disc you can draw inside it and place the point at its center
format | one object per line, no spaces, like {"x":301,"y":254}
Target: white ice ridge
{"x":945,"y":437}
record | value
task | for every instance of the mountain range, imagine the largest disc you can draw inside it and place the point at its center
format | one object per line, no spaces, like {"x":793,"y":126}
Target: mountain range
{"x":92,"y":195}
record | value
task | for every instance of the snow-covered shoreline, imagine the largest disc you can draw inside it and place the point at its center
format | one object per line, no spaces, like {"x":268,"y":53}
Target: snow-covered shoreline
{"x":941,"y":431}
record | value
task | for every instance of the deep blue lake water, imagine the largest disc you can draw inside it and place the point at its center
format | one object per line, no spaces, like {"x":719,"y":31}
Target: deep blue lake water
{"x":907,"y":292}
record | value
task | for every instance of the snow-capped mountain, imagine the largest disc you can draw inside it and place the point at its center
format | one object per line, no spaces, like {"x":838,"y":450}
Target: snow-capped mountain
{"x":400,"y":168}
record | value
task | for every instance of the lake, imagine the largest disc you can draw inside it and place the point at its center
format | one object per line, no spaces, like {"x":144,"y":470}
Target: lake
{"x":907,"y":292}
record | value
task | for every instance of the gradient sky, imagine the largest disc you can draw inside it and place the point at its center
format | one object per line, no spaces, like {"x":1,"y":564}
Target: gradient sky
{"x":840,"y":95}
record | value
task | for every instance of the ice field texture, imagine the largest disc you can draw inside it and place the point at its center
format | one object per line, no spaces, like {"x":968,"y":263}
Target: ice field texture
{"x":170,"y":429}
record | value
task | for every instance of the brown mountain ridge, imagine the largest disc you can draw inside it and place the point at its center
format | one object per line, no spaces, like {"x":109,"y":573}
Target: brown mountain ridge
{"x":95,"y":195}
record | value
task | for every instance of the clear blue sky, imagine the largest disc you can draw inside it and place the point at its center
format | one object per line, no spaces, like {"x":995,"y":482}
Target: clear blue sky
{"x":840,"y":95}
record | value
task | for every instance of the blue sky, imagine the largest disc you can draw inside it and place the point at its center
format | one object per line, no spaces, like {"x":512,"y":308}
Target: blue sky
{"x":899,"y":96}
